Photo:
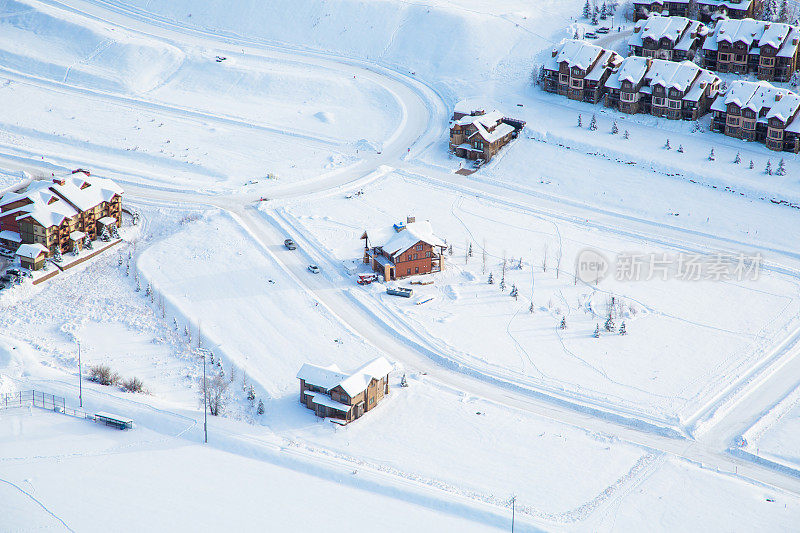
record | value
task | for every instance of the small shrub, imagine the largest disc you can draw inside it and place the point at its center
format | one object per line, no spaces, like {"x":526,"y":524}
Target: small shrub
{"x":133,"y":384}
{"x":103,"y":375}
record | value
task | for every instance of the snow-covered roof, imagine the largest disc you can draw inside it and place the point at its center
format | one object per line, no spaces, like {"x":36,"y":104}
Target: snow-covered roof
{"x":576,"y":53}
{"x":326,"y":377}
{"x":703,"y":80}
{"x":489,"y":126}
{"x":77,"y":235}
{"x":107,"y":221}
{"x":657,"y":27}
{"x":321,"y":399}
{"x":330,"y":377}
{"x":9,"y":235}
{"x":360,"y":379}
{"x":31,"y":251}
{"x":673,"y":75}
{"x":755,"y":34}
{"x":631,"y":69}
{"x":414,"y":232}
{"x":49,"y":202}
{"x":609,"y":59}
{"x":757,"y":95}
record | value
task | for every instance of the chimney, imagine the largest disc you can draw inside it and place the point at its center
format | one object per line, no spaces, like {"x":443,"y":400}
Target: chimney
{"x":410,"y":220}
{"x":778,"y":97}
{"x":795,"y":41}
{"x":59,"y":181}
{"x":555,"y":52}
{"x":81,"y":170}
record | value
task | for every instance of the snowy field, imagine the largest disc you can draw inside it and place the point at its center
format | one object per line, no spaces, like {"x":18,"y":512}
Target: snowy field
{"x":200,"y":110}
{"x":686,"y":340}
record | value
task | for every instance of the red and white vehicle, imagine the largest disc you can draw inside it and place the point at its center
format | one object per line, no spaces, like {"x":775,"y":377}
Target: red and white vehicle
{"x":366,"y":279}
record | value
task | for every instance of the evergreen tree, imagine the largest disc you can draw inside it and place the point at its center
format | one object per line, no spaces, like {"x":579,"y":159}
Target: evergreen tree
{"x":614,"y":128}
{"x":593,"y":123}
{"x":587,"y":10}
{"x":781,"y":168}
{"x":469,"y":253}
{"x":680,"y":148}
{"x":603,"y":11}
{"x":530,"y":309}
{"x":711,"y":155}
{"x":503,"y":284}
{"x":609,"y":323}
{"x":519,"y":265}
{"x":514,"y":293}
{"x":752,"y":166}
{"x":563,"y":324}
{"x":622,"y":329}
{"x":403,"y":381}
{"x":626,"y":135}
{"x":667,"y":146}
{"x":738,"y":158}
{"x":114,"y":232}
{"x":783,"y":14}
{"x":596,"y":333}
{"x":87,"y":243}
{"x":105,"y":237}
{"x":580,"y":121}
{"x":491,"y":279}
{"x":450,"y":249}
{"x":260,"y":410}
{"x":768,"y":169}
{"x":794,"y":79}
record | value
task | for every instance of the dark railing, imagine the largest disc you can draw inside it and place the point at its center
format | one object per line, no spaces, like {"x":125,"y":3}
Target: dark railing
{"x":42,"y":400}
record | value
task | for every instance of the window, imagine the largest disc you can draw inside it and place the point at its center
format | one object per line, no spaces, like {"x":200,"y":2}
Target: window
{"x":415,"y":256}
{"x":576,"y":83}
{"x":658,"y":101}
{"x":722,"y":57}
{"x":767,"y":61}
{"x":408,"y":271}
{"x":733,"y":121}
{"x":427,"y":254}
{"x":371,"y":401}
{"x":674,"y":104}
{"x":739,"y":58}
{"x":775,"y":134}
{"x":628,"y":97}
{"x":563,"y":78}
{"x":749,"y":124}
{"x":416,"y":270}
{"x":419,"y":247}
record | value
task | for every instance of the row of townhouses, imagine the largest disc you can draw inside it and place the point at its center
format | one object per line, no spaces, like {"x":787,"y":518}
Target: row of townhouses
{"x":768,"y":49}
{"x":703,"y":10}
{"x":755,"y":111}
{"x":58,"y":213}
{"x":759,"y":111}
{"x":632,"y":85}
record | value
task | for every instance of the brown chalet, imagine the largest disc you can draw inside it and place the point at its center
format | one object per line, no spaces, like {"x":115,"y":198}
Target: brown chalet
{"x":478,"y":136}
{"x":702,"y":10}
{"x":59,"y":214}
{"x":330,"y":393}
{"x":412,"y":249}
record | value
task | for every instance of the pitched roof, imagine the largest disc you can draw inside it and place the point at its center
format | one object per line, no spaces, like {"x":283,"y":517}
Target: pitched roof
{"x":331,"y":377}
{"x":576,"y":53}
{"x":31,"y":251}
{"x":360,"y":379}
{"x":414,"y":232}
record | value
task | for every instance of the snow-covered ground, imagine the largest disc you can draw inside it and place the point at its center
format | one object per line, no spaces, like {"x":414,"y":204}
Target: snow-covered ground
{"x":686,"y":339}
{"x":199,"y":110}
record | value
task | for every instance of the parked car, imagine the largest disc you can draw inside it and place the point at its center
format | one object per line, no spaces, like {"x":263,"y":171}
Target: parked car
{"x":290,"y":244}
{"x":590,"y":35}
{"x":20,"y":273}
{"x":314,"y":269}
{"x":603,"y":30}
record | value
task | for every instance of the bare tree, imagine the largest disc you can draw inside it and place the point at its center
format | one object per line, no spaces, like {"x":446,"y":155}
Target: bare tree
{"x":483,"y":257}
{"x":215,"y":393}
{"x":544,"y":259}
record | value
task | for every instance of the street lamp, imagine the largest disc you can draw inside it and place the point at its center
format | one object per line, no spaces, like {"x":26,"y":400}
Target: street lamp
{"x":202,"y":352}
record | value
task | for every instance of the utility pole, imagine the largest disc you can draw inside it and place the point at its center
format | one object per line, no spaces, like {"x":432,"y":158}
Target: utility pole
{"x":80,"y":380}
{"x":205,"y":403}
{"x":513,"y":509}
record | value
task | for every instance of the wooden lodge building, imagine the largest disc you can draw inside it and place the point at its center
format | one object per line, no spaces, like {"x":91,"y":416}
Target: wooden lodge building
{"x":704,"y":10}
{"x":767,"y":49}
{"x":578,"y":70}
{"x":331,"y":393}
{"x":411,"y":249}
{"x":671,"y":38}
{"x":59,"y":213}
{"x":478,"y":136}
{"x":761,"y":112}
